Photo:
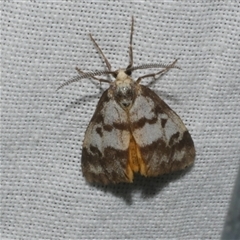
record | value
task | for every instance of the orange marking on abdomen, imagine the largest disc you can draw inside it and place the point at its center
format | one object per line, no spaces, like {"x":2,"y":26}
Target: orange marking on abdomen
{"x":135,"y":161}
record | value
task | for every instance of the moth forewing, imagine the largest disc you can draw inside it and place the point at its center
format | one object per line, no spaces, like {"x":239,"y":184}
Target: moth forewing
{"x":132,"y":129}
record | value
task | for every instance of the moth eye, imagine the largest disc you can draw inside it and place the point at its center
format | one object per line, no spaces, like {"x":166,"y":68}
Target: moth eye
{"x":128,"y":72}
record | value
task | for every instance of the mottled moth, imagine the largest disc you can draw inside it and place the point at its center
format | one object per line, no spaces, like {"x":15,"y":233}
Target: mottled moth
{"x":132,"y":129}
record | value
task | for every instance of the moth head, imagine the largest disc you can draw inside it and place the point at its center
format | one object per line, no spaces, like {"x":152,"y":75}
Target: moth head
{"x":124,"y":90}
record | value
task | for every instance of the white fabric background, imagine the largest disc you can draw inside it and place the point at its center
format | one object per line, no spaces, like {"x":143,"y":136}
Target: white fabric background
{"x":44,"y":194}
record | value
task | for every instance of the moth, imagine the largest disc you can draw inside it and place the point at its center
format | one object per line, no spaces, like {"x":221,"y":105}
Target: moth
{"x":132,"y":130}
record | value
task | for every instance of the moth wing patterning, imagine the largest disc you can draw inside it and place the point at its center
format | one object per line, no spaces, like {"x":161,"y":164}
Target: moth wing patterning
{"x":162,"y":139}
{"x":105,"y":146}
{"x":150,"y":139}
{"x":132,"y":129}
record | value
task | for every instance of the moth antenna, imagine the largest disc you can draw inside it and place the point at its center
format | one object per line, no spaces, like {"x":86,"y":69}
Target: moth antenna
{"x":130,"y":49}
{"x":79,"y":70}
{"x":87,"y":75}
{"x":163,"y":71}
{"x":101,"y":53}
{"x":98,"y":79}
{"x":153,"y":65}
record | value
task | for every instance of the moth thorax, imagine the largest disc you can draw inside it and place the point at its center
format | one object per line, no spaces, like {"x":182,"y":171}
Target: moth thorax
{"x":124,"y":92}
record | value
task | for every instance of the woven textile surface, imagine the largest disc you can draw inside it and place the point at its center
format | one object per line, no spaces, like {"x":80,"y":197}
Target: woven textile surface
{"x":43,"y":192}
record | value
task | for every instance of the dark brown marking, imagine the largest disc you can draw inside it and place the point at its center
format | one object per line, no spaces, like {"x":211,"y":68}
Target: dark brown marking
{"x":114,"y":154}
{"x":95,"y":151}
{"x":98,"y":118}
{"x":99,"y":131}
{"x":163,"y":122}
{"x":158,"y":110}
{"x":109,"y":166}
{"x":158,"y":145}
{"x":107,"y":128}
{"x":154,"y":154}
{"x":121,"y":126}
{"x":141,"y":122}
{"x":186,"y":141}
{"x":174,"y":138}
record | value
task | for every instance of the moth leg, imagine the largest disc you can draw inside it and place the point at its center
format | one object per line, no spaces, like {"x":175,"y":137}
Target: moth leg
{"x":101,"y":53}
{"x":99,"y":79}
{"x":157,"y":73}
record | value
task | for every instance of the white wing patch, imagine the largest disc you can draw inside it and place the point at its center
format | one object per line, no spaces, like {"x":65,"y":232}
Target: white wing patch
{"x":111,"y":113}
{"x":170,"y":129}
{"x":148,"y":134}
{"x":142,"y":108}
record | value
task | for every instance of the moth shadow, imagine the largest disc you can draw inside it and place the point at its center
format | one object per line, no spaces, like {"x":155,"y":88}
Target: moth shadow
{"x":79,"y":102}
{"x":166,"y":96}
{"x":160,"y":93}
{"x":148,"y":186}
{"x":89,"y":98}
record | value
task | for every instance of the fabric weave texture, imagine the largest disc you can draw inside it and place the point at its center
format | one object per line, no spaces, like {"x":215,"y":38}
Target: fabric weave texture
{"x":43,"y":192}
